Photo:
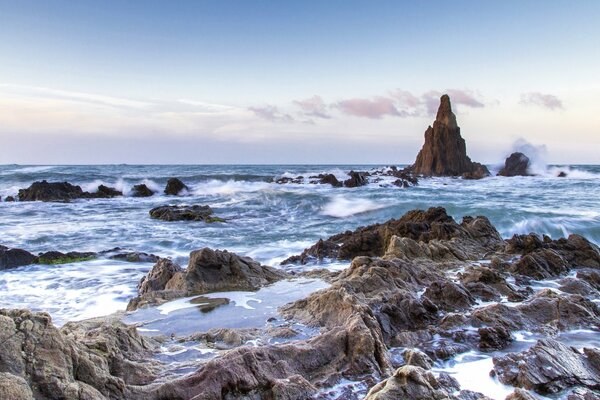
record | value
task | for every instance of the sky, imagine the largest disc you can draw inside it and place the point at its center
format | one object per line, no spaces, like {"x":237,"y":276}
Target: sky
{"x":261,"y":82}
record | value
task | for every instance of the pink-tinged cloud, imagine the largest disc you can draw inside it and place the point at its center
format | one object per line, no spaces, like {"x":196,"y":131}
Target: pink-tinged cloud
{"x":406,"y":99}
{"x":376,"y":108}
{"x":313,"y":107}
{"x":548,"y":101}
{"x":271,"y":113}
{"x":431,"y":99}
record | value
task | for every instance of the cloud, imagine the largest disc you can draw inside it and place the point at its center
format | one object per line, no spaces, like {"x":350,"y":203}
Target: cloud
{"x":376,"y":108}
{"x":313,"y":107}
{"x":548,"y":101}
{"x":271,"y":113}
{"x":431,"y":99}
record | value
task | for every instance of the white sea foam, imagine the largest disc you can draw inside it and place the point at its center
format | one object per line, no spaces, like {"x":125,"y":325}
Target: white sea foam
{"x":341,"y":207}
{"x":217,"y":187}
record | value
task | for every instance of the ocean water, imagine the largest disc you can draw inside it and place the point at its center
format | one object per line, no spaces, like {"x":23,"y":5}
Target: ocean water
{"x":266,"y":221}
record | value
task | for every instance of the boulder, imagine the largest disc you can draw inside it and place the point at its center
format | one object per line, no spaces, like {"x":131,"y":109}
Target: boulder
{"x":330,"y":179}
{"x":12,"y":258}
{"x":409,"y":382}
{"x":14,"y":387}
{"x":184,"y":213}
{"x":517,"y":164}
{"x":549,"y":367}
{"x":174,"y":187}
{"x":103,"y":192}
{"x":208,"y":271}
{"x":56,"y":257}
{"x":141,"y":190}
{"x":9,"y":199}
{"x":444,"y":152}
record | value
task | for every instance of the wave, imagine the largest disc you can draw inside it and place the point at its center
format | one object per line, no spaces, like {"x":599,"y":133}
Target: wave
{"x":341,"y":207}
{"x":216,"y":187}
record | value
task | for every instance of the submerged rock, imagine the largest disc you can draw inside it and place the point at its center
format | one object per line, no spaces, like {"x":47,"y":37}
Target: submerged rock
{"x":549,"y":367}
{"x":517,"y":164}
{"x":141,"y":190}
{"x":12,"y":258}
{"x":444,"y":152}
{"x":208,"y":271}
{"x":184,"y":213}
{"x":174,"y":187}
{"x":56,"y":257}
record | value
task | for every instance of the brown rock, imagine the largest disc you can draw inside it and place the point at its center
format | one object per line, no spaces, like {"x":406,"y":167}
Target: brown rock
{"x":516,"y":164}
{"x":444,"y":152}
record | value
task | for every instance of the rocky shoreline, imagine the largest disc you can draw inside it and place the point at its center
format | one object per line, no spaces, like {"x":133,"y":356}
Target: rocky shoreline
{"x":418,"y":290}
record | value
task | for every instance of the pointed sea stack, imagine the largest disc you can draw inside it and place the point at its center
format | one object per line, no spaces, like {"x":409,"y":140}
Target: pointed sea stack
{"x":444,"y":152}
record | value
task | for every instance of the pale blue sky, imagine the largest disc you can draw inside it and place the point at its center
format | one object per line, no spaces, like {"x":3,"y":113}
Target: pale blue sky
{"x":100,"y":80}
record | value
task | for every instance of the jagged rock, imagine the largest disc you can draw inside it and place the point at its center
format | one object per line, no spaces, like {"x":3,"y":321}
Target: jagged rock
{"x":494,"y":338}
{"x":517,"y":164}
{"x":174,"y":187}
{"x":417,"y":358}
{"x":449,"y":296}
{"x":444,"y":152}
{"x":141,"y":190}
{"x":57,"y":365}
{"x":12,"y":258}
{"x":520,"y":394}
{"x":409,"y":382}
{"x":473,"y":235}
{"x":208,"y":271}
{"x":549,"y":367}
{"x":356,"y":179}
{"x":50,"y":191}
{"x":184,"y":213}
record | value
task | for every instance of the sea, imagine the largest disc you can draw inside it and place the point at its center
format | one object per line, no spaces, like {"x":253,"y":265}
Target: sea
{"x":264,"y":220}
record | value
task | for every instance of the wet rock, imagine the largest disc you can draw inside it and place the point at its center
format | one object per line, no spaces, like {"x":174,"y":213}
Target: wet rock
{"x":520,"y":394}
{"x":51,"y":191}
{"x":444,"y":152}
{"x":103,"y":192}
{"x":12,"y":258}
{"x":356,"y":179}
{"x":56,"y":257}
{"x":329,"y":179}
{"x":286,"y":179}
{"x":494,"y":338}
{"x":562,"y":174}
{"x":449,"y":296}
{"x":409,"y":382}
{"x":9,"y":199}
{"x":130,"y":256}
{"x":208,"y":271}
{"x":548,"y":367}
{"x":583,"y":394}
{"x":473,"y":235}
{"x":540,"y":264}
{"x":174,"y":187}
{"x":577,"y":286}
{"x":347,"y":351}
{"x":417,"y":358}
{"x":517,"y":164}
{"x":141,"y":190}
{"x":184,"y":213}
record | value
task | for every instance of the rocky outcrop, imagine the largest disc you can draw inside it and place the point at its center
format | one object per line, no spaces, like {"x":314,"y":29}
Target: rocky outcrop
{"x":431,"y":233}
{"x":517,"y":164}
{"x":63,"y":192}
{"x":175,"y":187}
{"x":549,"y":367}
{"x":12,"y":258}
{"x":36,"y":358}
{"x":356,"y":179}
{"x":444,"y":152}
{"x":57,"y":257}
{"x":141,"y":190}
{"x":208,"y":271}
{"x":184,"y":213}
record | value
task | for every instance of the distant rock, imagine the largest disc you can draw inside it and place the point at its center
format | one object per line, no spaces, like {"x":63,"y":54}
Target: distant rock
{"x":356,"y":179}
{"x":51,"y":191}
{"x":63,"y":192}
{"x":444,"y":152}
{"x":141,"y":190}
{"x":9,"y":198}
{"x":12,"y":258}
{"x":184,"y":213}
{"x":517,"y":164}
{"x":329,"y":179}
{"x":174,"y":187}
